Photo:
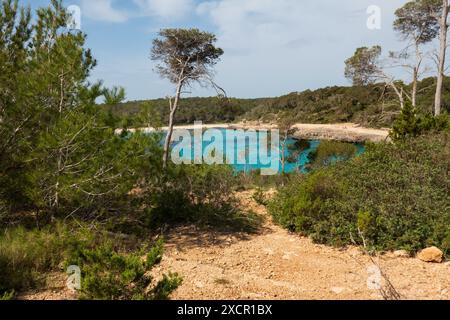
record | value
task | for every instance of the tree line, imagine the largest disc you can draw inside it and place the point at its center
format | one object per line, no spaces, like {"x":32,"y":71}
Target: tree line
{"x":417,"y":23}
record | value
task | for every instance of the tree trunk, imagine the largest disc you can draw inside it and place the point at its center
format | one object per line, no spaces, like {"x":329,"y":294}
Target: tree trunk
{"x":416,"y":76}
{"x":414,"y":89}
{"x":442,"y":53}
{"x":283,"y":152}
{"x":399,"y":94}
{"x":173,"y":110}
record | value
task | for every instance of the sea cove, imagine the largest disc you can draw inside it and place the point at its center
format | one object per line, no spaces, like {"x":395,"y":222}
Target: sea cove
{"x":245,"y":150}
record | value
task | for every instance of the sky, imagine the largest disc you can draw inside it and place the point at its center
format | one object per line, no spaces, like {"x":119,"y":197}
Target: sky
{"x":272,"y":47}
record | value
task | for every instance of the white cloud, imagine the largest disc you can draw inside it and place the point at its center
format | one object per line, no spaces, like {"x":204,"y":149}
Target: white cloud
{"x":283,"y":45}
{"x":102,"y":10}
{"x":275,"y":23}
{"x":271,"y":47}
{"x":166,"y":9}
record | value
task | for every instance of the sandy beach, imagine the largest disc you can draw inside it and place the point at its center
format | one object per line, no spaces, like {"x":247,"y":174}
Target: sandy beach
{"x":349,"y":132}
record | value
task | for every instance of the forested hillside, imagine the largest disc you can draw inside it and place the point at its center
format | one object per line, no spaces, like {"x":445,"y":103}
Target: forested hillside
{"x":208,"y":110}
{"x":372,"y":106}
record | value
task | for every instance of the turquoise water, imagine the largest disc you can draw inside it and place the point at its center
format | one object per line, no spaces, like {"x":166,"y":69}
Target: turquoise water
{"x":299,"y":165}
{"x":250,"y":151}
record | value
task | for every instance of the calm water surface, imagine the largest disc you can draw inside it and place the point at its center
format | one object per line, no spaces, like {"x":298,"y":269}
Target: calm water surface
{"x":253,"y":146}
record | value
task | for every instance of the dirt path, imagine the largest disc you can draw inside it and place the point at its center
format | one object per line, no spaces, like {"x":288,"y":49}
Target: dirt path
{"x":274,"y":264}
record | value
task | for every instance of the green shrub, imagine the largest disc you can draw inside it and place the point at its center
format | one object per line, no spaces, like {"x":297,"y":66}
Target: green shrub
{"x":254,"y":179}
{"x":299,"y":205}
{"x":3,"y":212}
{"x":156,"y":253}
{"x":410,"y":123}
{"x":7,"y":296}
{"x":397,"y":195}
{"x":365,"y":221}
{"x":111,"y":275}
{"x":200,"y":194}
{"x":329,"y":152}
{"x":112,"y":268}
{"x":260,"y":197}
{"x":26,"y":255}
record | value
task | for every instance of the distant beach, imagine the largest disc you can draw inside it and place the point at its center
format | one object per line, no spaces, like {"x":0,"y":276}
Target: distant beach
{"x":348,"y":132}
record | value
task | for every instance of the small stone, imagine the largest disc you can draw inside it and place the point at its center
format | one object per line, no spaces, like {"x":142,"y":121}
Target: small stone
{"x":401,"y":254}
{"x":337,"y":290}
{"x":354,"y":251}
{"x":431,"y":254}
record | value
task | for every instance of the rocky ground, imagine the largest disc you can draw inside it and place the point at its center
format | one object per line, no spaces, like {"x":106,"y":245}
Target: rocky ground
{"x":275,"y":264}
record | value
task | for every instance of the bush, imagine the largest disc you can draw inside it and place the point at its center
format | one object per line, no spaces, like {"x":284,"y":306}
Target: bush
{"x":111,"y":268}
{"x":330,"y":152}
{"x":3,"y":212}
{"x":110,"y":275}
{"x":411,"y":124}
{"x":25,"y":255}
{"x":200,"y":194}
{"x":7,"y":296}
{"x":260,"y":197}
{"x":254,"y":179}
{"x":395,"y":194}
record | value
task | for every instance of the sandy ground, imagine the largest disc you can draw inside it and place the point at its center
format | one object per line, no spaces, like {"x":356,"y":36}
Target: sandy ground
{"x":344,"y":131}
{"x":56,"y":290}
{"x":274,"y":264}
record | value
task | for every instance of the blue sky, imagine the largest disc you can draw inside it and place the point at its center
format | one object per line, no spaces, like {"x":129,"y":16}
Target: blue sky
{"x":272,"y":47}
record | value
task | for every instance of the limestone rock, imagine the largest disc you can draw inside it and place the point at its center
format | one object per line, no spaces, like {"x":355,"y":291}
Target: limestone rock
{"x":337,"y":290}
{"x":431,"y":254}
{"x":401,"y":254}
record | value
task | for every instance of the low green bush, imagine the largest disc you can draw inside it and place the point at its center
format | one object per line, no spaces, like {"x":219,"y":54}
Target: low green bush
{"x":107,"y":274}
{"x":112,"y":268}
{"x":7,"y":296}
{"x":395,"y":196}
{"x":254,"y":179}
{"x":201,"y":194}
{"x":25,"y":255}
{"x":260,"y":197}
{"x":3,"y":212}
{"x":410,"y":123}
{"x":329,"y":152}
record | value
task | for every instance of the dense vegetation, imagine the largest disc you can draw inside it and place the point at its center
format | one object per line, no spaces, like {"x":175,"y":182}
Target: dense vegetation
{"x":394,"y":196}
{"x":111,"y":268}
{"x":330,"y":152}
{"x":71,"y":191}
{"x":209,"y":110}
{"x":372,"y":106}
